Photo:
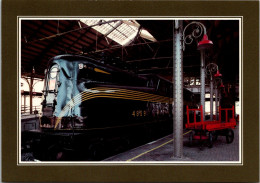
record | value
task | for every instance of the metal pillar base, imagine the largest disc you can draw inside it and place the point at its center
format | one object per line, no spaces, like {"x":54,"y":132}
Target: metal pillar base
{"x":183,"y":158}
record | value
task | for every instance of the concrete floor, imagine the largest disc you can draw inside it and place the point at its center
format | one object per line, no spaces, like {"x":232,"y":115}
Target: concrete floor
{"x":162,"y":150}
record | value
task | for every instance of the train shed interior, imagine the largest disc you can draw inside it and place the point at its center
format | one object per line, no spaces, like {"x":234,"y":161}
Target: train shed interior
{"x":43,"y":39}
{"x":141,"y":47}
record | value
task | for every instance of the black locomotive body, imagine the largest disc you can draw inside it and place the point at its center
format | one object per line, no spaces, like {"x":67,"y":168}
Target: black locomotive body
{"x":90,"y":107}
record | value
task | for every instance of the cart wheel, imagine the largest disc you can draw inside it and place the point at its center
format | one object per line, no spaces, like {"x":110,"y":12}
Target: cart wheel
{"x":215,"y":136}
{"x":230,"y":136}
{"x":210,"y":142}
{"x":190,"y":138}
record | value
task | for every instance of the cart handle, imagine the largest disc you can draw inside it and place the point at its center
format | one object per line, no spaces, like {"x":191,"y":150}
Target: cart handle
{"x":194,"y":114}
{"x":226,"y":112}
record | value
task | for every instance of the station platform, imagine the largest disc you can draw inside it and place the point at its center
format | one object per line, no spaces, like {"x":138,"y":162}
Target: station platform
{"x":162,"y":150}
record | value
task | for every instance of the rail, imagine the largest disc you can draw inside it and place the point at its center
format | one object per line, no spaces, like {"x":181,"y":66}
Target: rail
{"x":232,"y":109}
{"x":25,"y":109}
{"x":226,"y":113}
{"x":210,"y":125}
{"x":194,"y":114}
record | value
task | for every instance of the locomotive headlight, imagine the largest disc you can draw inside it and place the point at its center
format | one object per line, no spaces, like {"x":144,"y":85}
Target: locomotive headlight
{"x":53,"y":72}
{"x":53,"y":77}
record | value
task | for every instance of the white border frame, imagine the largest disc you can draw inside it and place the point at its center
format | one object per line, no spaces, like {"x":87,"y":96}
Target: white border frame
{"x":118,"y":163}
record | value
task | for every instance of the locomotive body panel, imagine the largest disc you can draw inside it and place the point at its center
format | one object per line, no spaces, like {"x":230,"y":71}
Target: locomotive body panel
{"x":82,"y":90}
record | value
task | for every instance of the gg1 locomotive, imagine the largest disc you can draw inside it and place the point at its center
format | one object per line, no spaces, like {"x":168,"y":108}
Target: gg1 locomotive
{"x":90,"y":108}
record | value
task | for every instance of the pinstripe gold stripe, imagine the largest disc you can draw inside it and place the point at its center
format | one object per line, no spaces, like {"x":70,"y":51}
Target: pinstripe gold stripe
{"x":126,"y":91}
{"x":129,"y":96}
{"x":106,"y":92}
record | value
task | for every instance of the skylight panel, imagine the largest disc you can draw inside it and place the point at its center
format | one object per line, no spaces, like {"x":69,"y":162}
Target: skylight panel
{"x":120,"y":31}
{"x":103,"y":28}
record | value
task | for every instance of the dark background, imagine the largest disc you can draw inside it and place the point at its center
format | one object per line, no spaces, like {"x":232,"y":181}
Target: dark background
{"x":124,"y":173}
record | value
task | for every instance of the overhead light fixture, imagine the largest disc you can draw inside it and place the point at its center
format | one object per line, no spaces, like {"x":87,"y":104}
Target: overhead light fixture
{"x":205,"y":43}
{"x":33,"y":70}
{"x":217,"y":74}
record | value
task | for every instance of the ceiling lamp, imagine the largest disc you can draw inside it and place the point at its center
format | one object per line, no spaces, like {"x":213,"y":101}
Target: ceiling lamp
{"x":217,"y":74}
{"x":205,"y":43}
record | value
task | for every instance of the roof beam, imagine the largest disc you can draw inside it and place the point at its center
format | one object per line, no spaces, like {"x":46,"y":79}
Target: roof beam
{"x":69,"y":31}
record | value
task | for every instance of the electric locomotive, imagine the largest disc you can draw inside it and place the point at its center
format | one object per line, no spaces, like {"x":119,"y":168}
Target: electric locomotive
{"x":88,"y":105}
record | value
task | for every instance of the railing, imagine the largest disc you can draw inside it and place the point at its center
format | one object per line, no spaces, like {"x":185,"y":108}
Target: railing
{"x":26,"y":109}
{"x":226,"y":113}
{"x":226,"y":110}
{"x":194,"y":114}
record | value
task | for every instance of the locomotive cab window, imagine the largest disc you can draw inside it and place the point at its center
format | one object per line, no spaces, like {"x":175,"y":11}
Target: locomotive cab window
{"x":53,"y":78}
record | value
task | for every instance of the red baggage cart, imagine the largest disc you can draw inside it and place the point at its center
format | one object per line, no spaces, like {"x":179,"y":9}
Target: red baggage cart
{"x":210,"y":130}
